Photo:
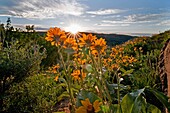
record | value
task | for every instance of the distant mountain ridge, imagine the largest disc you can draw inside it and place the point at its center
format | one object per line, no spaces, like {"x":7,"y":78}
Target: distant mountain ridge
{"x":112,"y":39}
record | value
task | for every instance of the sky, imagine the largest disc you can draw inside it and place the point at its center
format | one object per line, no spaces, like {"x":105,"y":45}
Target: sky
{"x":104,"y":16}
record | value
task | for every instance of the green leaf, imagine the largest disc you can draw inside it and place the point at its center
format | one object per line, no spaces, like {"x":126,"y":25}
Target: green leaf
{"x":113,"y":87}
{"x":62,"y":85}
{"x":88,"y":67}
{"x":139,"y":103}
{"x":62,"y":80}
{"x":85,"y":51}
{"x":127,"y":103}
{"x":58,"y":112}
{"x":114,"y":108}
{"x":74,"y":89}
{"x":63,"y":95}
{"x":137,"y":93}
{"x":123,"y":70}
{"x":128,"y":72}
{"x":153,"y":109}
{"x":69,"y":51}
{"x":105,"y":109}
{"x":161,"y":97}
{"x":83,"y":95}
{"x":133,"y":102}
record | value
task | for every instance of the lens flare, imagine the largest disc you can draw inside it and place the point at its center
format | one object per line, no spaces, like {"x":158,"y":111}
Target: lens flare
{"x":74,"y":28}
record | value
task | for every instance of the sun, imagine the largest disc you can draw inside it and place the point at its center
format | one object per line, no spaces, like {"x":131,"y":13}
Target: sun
{"x":74,"y":28}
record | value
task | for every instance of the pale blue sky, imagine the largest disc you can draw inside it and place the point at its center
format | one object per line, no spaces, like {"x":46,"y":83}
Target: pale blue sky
{"x":106,"y":16}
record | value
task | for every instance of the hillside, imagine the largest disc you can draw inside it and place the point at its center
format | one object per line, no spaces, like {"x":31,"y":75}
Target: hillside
{"x":114,"y":39}
{"x":34,"y":65}
{"x":111,"y":39}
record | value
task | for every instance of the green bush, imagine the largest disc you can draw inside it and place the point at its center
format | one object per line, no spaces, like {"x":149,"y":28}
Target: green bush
{"x":36,"y":94}
{"x":52,"y":55}
{"x":17,"y":62}
{"x":146,"y":71}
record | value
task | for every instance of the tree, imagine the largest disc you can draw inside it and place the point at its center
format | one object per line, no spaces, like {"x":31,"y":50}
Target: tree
{"x":8,"y":26}
{"x":30,"y":28}
{"x":2,"y":33}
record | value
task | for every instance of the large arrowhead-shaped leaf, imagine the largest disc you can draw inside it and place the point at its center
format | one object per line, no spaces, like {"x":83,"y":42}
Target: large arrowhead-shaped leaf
{"x":139,"y":105}
{"x":84,"y":94}
{"x":152,"y":109}
{"x":127,"y":103}
{"x":161,"y":97}
{"x":133,"y":102}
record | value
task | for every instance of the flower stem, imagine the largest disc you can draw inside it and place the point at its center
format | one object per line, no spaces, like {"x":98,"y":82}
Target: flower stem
{"x":118,"y":91}
{"x":104,"y":81}
{"x":68,"y":81}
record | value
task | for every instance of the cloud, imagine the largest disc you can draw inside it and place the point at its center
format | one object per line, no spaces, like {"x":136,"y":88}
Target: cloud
{"x":112,"y":16}
{"x":110,"y":24}
{"x":114,"y":22}
{"x":164,"y":23}
{"x":125,"y":25}
{"x":147,"y":18}
{"x":104,"y":25}
{"x":138,"y":19}
{"x":105,"y":11}
{"x":61,"y":23}
{"x":87,"y":20}
{"x":42,"y":8}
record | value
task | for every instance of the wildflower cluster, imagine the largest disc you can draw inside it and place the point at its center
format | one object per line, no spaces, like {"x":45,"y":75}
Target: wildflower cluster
{"x":136,"y":46}
{"x":82,"y":60}
{"x":118,"y":58}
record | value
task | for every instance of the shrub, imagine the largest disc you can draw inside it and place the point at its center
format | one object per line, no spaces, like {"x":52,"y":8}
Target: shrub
{"x":16,"y":62}
{"x":37,"y":94}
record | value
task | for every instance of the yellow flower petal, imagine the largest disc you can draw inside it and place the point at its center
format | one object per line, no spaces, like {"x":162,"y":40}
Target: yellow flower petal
{"x":86,"y":103}
{"x":81,"y":109}
{"x":96,"y":106}
{"x":56,"y":78}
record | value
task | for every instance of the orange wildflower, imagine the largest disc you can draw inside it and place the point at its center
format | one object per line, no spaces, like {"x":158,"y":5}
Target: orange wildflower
{"x":81,"y":61}
{"x":55,"y":36}
{"x":54,"y":68}
{"x":109,"y":60}
{"x":77,"y":54}
{"x":77,"y":75}
{"x":112,"y":55}
{"x":94,"y":52}
{"x":135,"y":48}
{"x":132,"y":59}
{"x":105,"y":62}
{"x":56,"y":78}
{"x":124,"y":60}
{"x":87,"y":39}
{"x":121,"y":49}
{"x":88,"y":107}
{"x":99,"y":45}
{"x":114,"y":66}
{"x":70,"y":43}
